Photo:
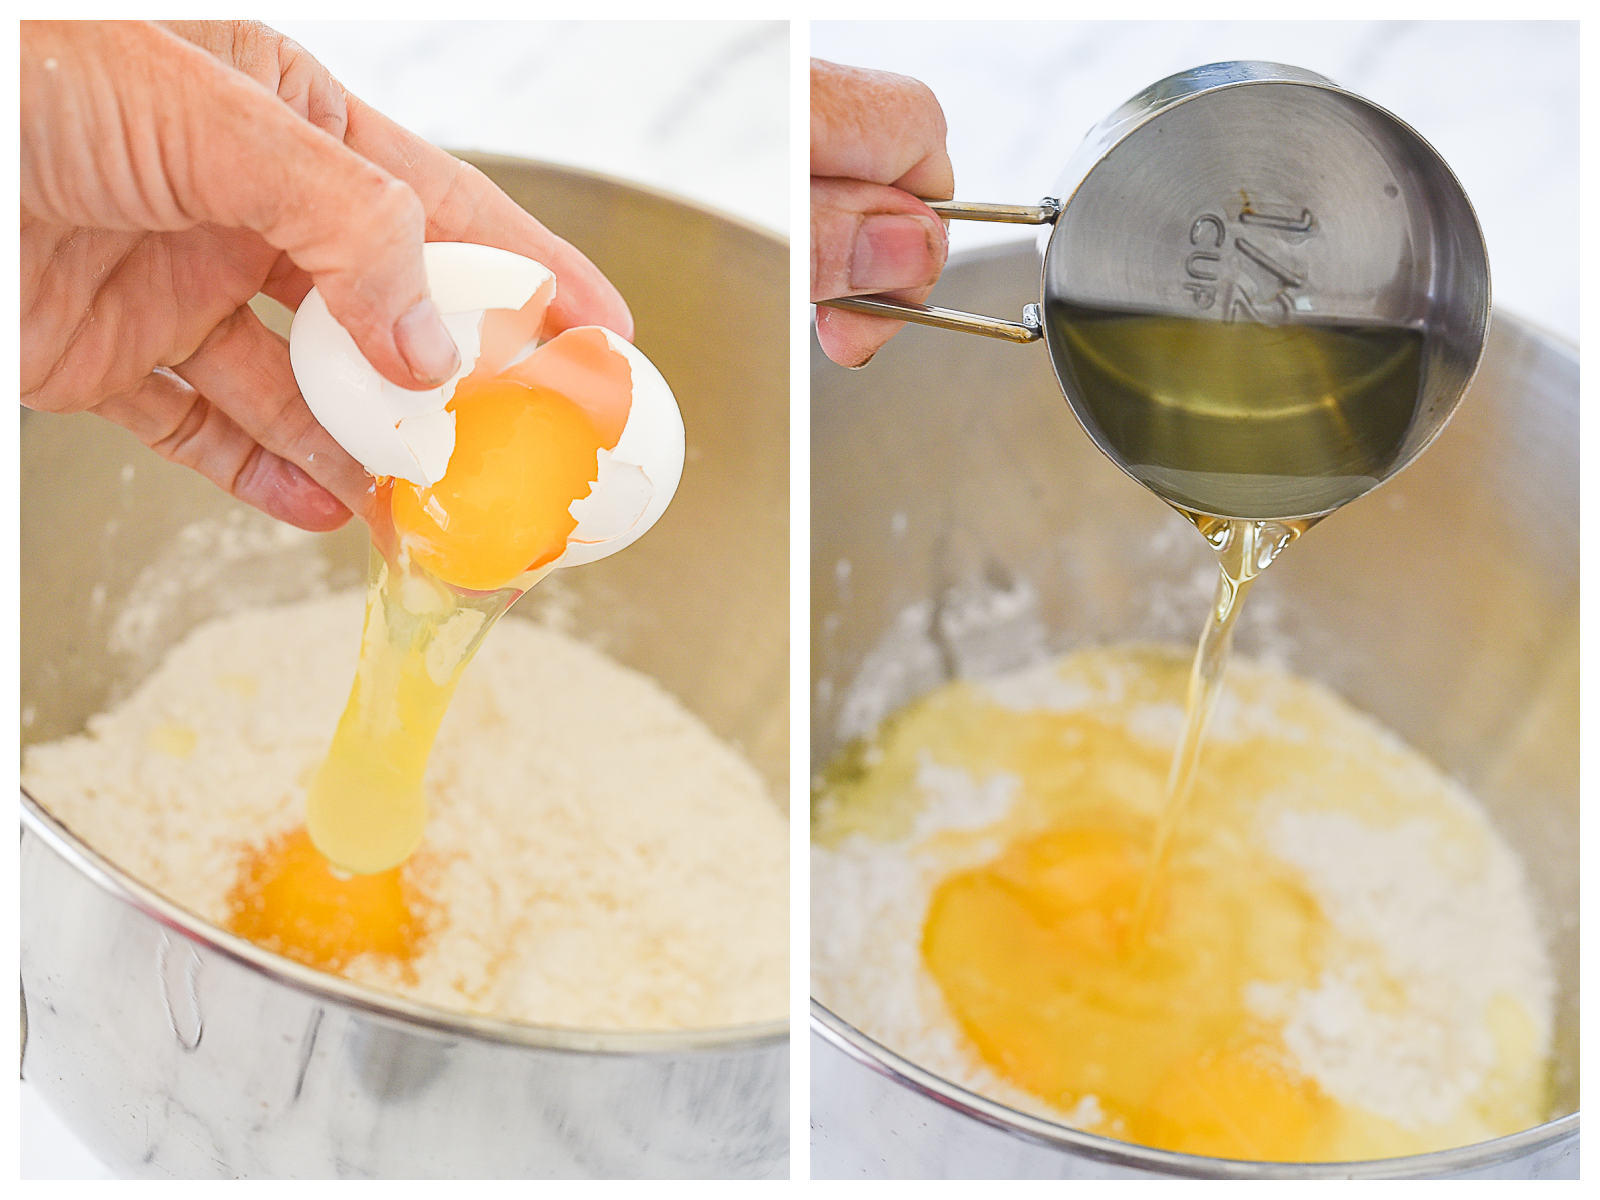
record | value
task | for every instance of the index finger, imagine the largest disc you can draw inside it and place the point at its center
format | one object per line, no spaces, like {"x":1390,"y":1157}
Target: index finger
{"x":462,"y":204}
{"x":878,"y":127}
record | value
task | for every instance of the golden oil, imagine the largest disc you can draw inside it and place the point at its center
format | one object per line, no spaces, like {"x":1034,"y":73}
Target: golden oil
{"x":1241,"y":419}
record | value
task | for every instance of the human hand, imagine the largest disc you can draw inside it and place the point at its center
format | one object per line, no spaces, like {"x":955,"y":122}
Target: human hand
{"x":169,"y":173}
{"x":877,"y":144}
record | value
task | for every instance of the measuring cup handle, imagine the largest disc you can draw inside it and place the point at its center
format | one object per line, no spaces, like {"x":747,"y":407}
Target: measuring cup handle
{"x":1043,"y":213}
{"x":1029,"y":329}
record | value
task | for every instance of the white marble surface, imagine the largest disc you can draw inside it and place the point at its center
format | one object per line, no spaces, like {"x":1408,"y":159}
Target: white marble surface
{"x":1497,"y":99}
{"x":698,"y":108}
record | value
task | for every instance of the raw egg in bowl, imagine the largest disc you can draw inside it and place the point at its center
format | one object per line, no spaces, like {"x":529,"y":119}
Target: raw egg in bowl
{"x":293,"y":1059}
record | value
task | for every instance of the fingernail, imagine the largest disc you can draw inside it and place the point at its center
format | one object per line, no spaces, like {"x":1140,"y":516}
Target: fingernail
{"x":894,"y":250}
{"x":426,"y":344}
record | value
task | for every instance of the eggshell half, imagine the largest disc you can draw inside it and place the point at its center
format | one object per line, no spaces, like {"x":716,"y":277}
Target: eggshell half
{"x":392,"y":430}
{"x":651,"y":445}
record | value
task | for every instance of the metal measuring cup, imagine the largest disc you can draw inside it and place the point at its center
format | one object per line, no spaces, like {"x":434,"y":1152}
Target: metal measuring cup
{"x":1260,"y":193}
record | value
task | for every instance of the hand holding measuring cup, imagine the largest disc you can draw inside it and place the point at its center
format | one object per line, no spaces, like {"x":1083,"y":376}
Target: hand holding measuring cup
{"x":877,"y":145}
{"x":1262,"y":295}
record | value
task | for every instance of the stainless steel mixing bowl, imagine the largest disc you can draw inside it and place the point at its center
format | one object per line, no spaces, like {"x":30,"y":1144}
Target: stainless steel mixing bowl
{"x":962,"y":522}
{"x":173,"y":1049}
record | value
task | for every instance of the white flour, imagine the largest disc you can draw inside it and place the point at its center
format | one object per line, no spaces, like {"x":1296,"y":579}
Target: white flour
{"x":1453,"y":929}
{"x":601,"y":860}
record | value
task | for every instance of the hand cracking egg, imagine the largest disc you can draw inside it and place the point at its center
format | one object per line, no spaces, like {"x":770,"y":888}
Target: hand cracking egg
{"x":529,"y":458}
{"x":520,"y":463}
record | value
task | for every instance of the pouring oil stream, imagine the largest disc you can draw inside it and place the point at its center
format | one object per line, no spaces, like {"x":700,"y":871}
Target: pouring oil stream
{"x":1244,"y":550}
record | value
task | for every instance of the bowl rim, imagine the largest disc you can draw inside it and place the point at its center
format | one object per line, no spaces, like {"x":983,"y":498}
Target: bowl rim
{"x":411,"y":1015}
{"x":874,"y":1055}
{"x":478,"y":158}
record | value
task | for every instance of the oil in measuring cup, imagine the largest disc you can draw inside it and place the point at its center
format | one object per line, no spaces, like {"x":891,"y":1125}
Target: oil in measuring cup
{"x":1240,"y":418}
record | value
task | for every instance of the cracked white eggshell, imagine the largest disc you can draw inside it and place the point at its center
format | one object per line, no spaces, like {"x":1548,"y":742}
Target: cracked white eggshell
{"x":388,"y":429}
{"x":639,"y":475}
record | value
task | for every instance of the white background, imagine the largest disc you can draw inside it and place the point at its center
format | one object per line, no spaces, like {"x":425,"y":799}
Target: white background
{"x":699,"y":108}
{"x":1497,"y":99}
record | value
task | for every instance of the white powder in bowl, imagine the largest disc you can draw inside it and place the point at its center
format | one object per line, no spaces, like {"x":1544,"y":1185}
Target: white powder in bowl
{"x":596,"y":857}
{"x":1431,"y":1003}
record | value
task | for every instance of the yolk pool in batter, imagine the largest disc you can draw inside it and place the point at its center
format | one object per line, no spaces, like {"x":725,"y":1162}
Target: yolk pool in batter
{"x":1034,"y":954}
{"x":289,"y":900}
{"x":1030,"y":931}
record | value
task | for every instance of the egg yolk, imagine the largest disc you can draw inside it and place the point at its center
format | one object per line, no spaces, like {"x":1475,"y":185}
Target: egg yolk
{"x":1037,"y":956}
{"x":290,"y":901}
{"x":522,"y":456}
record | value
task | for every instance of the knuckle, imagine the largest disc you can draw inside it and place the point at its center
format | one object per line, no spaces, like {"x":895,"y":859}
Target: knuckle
{"x":927,"y":107}
{"x":287,"y":429}
{"x":183,"y":442}
{"x":396,"y":207}
{"x":245,"y":480}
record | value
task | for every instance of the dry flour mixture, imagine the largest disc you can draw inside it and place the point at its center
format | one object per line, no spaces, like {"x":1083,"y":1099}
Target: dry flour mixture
{"x":594,"y":856}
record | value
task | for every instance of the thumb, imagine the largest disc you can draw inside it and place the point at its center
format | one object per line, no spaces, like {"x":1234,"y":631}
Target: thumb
{"x":866,"y":237}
